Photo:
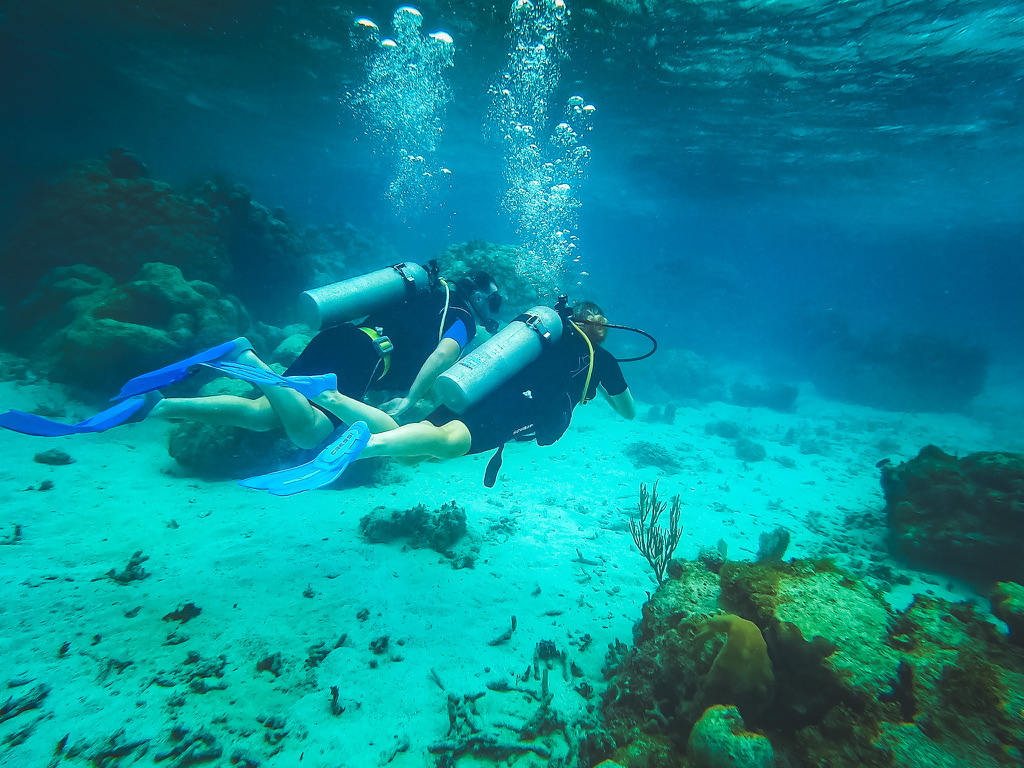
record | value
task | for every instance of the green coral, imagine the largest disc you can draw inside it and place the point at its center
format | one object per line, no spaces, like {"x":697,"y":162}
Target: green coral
{"x":1008,"y":605}
{"x":720,"y":740}
{"x":102,"y":334}
{"x":961,"y":515}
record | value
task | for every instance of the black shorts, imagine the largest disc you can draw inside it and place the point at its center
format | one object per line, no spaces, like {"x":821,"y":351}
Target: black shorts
{"x":347,"y":352}
{"x":492,"y":422}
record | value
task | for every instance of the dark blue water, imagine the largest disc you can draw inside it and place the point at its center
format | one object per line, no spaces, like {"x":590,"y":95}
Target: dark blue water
{"x":752,"y":171}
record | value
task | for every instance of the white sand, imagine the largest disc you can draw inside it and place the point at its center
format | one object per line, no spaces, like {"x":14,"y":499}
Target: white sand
{"x":246,"y":559}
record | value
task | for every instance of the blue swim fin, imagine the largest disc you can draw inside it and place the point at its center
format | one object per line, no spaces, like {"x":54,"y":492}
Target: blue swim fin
{"x":175,"y":372}
{"x":133,"y":409}
{"x":323,"y":470}
{"x":307,"y":386}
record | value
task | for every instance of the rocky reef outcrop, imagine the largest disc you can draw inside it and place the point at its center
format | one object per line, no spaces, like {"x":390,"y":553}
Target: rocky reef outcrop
{"x":82,"y":327}
{"x":894,"y":370}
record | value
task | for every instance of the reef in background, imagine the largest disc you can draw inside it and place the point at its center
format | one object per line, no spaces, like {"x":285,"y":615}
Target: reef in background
{"x":499,"y":261}
{"x":893,"y":370}
{"x":960,"y":515}
{"x":111,"y":273}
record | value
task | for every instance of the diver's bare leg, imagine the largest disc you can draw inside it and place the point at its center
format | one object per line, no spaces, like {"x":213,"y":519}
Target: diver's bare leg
{"x":305,"y":425}
{"x":223,"y":410}
{"x":421,"y":439}
{"x":350,"y":410}
{"x":417,"y":441}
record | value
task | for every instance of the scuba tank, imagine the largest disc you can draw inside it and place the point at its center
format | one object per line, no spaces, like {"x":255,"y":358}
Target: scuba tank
{"x":499,"y":358}
{"x":359,"y":296}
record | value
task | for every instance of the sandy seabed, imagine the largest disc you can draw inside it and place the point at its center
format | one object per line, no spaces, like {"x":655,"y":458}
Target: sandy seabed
{"x":294,"y":577}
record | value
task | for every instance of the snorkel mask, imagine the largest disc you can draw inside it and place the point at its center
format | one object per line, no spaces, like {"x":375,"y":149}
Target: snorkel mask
{"x":485,"y":304}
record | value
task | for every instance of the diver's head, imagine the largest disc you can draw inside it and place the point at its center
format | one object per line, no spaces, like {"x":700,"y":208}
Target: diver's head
{"x":591,"y":320}
{"x":483,"y":296}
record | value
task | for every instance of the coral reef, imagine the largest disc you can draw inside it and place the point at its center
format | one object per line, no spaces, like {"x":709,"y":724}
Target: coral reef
{"x":113,"y":224}
{"x":108,"y":215}
{"x":499,"y":261}
{"x":54,"y":457}
{"x":440,"y":529}
{"x":741,"y":673}
{"x":856,"y":684}
{"x":644,"y":453}
{"x":778,"y":397}
{"x":679,"y":375}
{"x":749,"y":450}
{"x":728,"y":430}
{"x":83,"y":329}
{"x":959,"y":515}
{"x":1008,"y":605}
{"x":110,"y":272}
{"x":216,"y":452}
{"x":270,"y":261}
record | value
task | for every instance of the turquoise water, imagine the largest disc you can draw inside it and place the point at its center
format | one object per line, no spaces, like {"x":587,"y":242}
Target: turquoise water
{"x":814,"y":208}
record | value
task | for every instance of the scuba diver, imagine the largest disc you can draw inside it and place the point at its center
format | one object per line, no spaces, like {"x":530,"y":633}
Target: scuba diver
{"x":417,"y":325}
{"x":484,"y":412}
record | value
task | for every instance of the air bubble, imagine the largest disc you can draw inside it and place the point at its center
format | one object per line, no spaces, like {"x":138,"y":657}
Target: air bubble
{"x":543,"y":162}
{"x":402,"y":104}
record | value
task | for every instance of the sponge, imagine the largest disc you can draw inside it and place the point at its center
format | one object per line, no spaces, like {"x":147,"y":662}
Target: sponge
{"x":742,"y":672}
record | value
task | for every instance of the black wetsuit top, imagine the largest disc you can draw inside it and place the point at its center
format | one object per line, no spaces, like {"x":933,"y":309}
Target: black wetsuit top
{"x":537,"y":403}
{"x":349,"y":352}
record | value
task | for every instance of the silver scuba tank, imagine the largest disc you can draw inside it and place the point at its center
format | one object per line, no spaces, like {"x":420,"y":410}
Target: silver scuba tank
{"x":359,"y":296}
{"x":499,"y":358}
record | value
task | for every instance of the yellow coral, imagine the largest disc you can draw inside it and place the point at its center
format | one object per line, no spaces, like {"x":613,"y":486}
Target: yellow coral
{"x":742,"y":672}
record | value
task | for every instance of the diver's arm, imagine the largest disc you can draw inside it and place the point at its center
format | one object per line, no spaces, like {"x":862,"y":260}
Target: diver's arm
{"x":441,"y":359}
{"x":623,"y":403}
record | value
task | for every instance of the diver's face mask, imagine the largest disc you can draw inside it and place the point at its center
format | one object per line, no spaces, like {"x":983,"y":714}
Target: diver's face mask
{"x":595,"y":326}
{"x":487,"y":305}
